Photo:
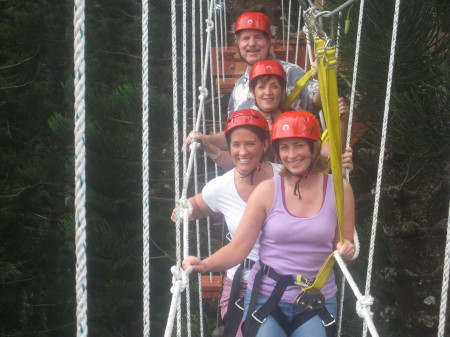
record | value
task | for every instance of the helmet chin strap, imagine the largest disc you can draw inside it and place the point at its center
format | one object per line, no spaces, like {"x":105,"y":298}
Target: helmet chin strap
{"x":252,"y":172}
{"x":300,"y":177}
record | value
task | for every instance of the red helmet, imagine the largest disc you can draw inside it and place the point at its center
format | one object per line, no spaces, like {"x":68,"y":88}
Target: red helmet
{"x":296,"y":124}
{"x":267,"y":67}
{"x":253,"y":20}
{"x":246,"y":117}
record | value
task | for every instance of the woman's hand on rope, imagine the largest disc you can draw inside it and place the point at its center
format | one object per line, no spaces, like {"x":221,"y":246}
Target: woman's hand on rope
{"x":198,"y":265}
{"x":177,"y":212}
{"x":346,"y":250}
{"x":343,"y":109}
{"x":347,"y":159}
{"x":202,"y":140}
{"x":204,"y":144}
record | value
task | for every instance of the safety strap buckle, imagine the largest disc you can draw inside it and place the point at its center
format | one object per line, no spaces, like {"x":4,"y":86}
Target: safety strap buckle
{"x":248,"y":264}
{"x":257,"y":317}
{"x":229,"y":237}
{"x":240,"y":303}
{"x":329,"y":321}
{"x":265,"y":269}
{"x":303,"y":282}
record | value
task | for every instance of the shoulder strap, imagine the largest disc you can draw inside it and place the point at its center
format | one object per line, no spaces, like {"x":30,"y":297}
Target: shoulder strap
{"x":299,"y":85}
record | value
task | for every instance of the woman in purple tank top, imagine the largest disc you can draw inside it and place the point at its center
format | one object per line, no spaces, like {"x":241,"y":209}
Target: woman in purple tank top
{"x":296,"y":217}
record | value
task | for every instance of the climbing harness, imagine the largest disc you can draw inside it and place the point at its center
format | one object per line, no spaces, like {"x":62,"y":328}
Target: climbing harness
{"x":235,"y":309}
{"x":312,"y":307}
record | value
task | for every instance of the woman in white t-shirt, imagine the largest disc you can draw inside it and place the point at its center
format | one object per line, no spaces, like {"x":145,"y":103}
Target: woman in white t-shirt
{"x":247,"y":135}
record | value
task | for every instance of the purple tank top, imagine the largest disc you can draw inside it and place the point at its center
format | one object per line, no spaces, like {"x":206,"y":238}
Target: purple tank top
{"x":293,"y":245}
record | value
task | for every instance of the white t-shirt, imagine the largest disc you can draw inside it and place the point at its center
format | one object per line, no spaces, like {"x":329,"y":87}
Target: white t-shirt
{"x":220,"y":194}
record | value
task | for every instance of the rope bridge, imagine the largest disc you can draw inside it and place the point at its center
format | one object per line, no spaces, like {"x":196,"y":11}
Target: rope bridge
{"x":181,"y":277}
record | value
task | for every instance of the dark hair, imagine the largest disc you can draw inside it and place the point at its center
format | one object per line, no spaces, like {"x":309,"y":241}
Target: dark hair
{"x":260,"y":133}
{"x":319,"y":162}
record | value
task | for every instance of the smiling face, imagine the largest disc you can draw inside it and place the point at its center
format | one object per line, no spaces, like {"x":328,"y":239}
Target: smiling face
{"x":253,"y":45}
{"x":268,"y":93}
{"x":295,"y":154}
{"x":246,"y":149}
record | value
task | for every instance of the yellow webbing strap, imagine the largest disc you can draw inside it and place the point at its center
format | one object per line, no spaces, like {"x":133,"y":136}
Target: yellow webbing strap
{"x":322,"y":276}
{"x":297,"y":90}
{"x":326,"y":61}
{"x":326,"y":66}
{"x":324,"y":136}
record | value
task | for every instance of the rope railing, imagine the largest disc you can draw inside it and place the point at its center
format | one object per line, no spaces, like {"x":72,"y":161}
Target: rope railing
{"x":180,"y":279}
{"x":181,"y":200}
{"x":175,"y":144}
{"x":145,"y":175}
{"x":297,"y":40}
{"x":185,"y":178}
{"x":363,"y":302}
{"x":288,"y":31}
{"x":80,"y":168}
{"x":382,"y":149}
{"x":445,"y":281}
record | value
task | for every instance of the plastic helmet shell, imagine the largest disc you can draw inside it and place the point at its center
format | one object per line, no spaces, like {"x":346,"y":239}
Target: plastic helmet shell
{"x":253,"y":20}
{"x":296,"y":124}
{"x":267,"y":67}
{"x":247,"y":117}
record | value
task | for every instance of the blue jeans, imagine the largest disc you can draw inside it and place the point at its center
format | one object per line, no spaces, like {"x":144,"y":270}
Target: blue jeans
{"x":271,"y":328}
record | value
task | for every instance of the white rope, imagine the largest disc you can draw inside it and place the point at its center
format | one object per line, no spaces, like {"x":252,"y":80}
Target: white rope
{"x":219,"y":101}
{"x":175,"y":145}
{"x":355,"y":74}
{"x":297,"y":42}
{"x":181,"y":200}
{"x":185,"y":178}
{"x":194,"y":110}
{"x":288,"y":31}
{"x":349,"y":131}
{"x":221,"y":42}
{"x":363,"y":303}
{"x":184,"y":62}
{"x":180,"y":279}
{"x":205,"y":159}
{"x":382,"y":149}
{"x":309,"y":53}
{"x":80,"y":168}
{"x":338,"y":35}
{"x":225,"y":22}
{"x":211,"y":80}
{"x":445,"y":281}
{"x":201,"y":34}
{"x":145,"y":175}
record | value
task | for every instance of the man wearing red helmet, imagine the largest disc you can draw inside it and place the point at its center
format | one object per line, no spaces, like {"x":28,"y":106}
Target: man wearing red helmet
{"x":252,"y":34}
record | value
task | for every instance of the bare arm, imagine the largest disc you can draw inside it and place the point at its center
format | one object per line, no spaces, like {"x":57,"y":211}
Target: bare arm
{"x":245,"y":237}
{"x":199,"y":209}
{"x":343,"y":109}
{"x":218,"y":140}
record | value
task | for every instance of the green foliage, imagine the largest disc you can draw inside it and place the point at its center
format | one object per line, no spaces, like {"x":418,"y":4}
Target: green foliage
{"x":414,"y":195}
